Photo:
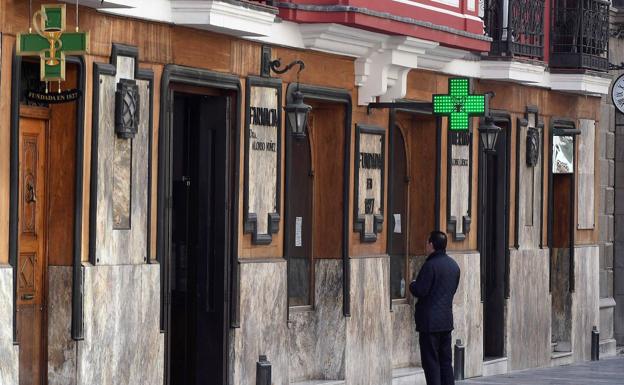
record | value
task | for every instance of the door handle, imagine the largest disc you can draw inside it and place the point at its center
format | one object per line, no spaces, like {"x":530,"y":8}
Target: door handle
{"x":28,"y":297}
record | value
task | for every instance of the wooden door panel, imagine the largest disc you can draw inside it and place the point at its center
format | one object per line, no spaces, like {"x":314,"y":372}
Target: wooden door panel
{"x":31,"y":257}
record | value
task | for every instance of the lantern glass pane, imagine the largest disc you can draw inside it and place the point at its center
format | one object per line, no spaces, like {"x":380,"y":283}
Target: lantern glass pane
{"x":292,"y":120}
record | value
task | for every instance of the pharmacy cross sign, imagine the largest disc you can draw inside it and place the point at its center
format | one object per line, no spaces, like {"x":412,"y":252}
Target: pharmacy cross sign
{"x":51,"y":43}
{"x":459,"y":105}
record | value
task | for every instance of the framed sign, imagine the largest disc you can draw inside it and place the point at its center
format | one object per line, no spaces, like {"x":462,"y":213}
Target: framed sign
{"x":459,"y":183}
{"x":262,"y":158}
{"x":370,"y":144}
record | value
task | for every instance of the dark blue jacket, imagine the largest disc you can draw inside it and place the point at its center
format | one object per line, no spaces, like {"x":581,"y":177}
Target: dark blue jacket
{"x":435,"y":287}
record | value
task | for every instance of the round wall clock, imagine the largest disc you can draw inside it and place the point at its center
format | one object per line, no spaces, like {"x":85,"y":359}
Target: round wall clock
{"x":617,"y":93}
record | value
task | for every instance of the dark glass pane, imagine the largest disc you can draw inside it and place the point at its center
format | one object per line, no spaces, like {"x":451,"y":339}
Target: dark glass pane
{"x":397,"y":276}
{"x":299,"y":281}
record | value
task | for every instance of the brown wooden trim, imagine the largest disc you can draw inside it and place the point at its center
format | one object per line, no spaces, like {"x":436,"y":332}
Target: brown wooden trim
{"x":34,"y":112}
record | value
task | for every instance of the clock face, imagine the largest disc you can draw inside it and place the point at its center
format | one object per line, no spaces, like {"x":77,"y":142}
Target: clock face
{"x":617,"y":93}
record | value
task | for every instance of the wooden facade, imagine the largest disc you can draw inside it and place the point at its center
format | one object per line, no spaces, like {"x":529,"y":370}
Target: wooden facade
{"x":426,"y":202}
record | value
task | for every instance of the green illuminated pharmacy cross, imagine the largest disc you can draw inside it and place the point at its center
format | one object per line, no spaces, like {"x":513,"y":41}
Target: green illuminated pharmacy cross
{"x":51,"y":43}
{"x":458,"y":105}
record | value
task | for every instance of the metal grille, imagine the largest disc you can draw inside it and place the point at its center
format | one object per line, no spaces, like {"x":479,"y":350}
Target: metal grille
{"x":516,"y":27}
{"x":580,"y":35}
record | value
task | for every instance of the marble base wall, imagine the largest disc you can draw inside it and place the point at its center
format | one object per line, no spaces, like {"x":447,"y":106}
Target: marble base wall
{"x":8,"y":351}
{"x":61,"y":347}
{"x":468,"y":312}
{"x":405,"y":348}
{"x":263,"y":325}
{"x":528,"y":309}
{"x":369,"y":330}
{"x":122,"y":340}
{"x":317,"y":335}
{"x":585,"y":300}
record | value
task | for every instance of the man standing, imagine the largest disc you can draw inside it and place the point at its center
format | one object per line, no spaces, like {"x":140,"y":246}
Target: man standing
{"x":435,"y":287}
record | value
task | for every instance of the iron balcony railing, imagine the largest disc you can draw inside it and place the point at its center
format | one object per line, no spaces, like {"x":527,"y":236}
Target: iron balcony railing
{"x":516,"y":27}
{"x":580,"y":34}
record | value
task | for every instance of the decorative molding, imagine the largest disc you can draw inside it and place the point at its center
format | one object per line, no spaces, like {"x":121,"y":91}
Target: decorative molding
{"x":512,"y":70}
{"x":581,"y":83}
{"x":223,"y":16}
{"x":386,"y":69}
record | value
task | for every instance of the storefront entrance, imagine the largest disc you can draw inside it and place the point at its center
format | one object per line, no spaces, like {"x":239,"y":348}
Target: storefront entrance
{"x":44,"y":216}
{"x":197,"y":268}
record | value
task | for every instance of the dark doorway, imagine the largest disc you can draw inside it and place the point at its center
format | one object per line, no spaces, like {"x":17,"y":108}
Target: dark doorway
{"x":397,"y":233}
{"x":493,"y":241}
{"x":197,"y":274}
{"x":299,"y":219}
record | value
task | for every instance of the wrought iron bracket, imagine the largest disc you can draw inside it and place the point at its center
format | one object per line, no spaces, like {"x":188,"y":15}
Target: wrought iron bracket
{"x":616,"y":67}
{"x":269,"y":65}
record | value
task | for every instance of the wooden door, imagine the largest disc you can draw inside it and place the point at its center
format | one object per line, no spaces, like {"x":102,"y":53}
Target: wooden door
{"x":31,"y":261}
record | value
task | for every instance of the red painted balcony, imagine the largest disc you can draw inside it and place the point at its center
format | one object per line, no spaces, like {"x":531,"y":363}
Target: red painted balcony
{"x":453,"y":23}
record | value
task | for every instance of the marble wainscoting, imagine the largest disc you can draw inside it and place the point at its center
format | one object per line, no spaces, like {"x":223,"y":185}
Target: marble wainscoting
{"x":263,"y":325}
{"x":122,"y":340}
{"x":468,"y":312}
{"x":9,"y":363}
{"x":585,"y":300}
{"x":528,"y":316}
{"x":405,"y":348}
{"x":317,"y":336}
{"x":61,"y":347}
{"x":368,"y":359}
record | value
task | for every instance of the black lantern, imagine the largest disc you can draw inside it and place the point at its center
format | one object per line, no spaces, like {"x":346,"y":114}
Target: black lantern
{"x":126,"y":109}
{"x":489,"y":134}
{"x":297,"y":114}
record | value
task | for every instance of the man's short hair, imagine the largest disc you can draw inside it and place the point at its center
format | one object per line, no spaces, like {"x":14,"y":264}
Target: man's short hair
{"x":438,"y":240}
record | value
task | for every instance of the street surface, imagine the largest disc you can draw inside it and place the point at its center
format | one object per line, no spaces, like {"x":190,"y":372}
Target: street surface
{"x":608,"y":371}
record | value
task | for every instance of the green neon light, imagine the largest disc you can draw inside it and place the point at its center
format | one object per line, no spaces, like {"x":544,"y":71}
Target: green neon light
{"x":459,"y":105}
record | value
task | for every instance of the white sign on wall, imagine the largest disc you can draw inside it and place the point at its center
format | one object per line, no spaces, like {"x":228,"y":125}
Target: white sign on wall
{"x":369,"y":182}
{"x":262,"y":158}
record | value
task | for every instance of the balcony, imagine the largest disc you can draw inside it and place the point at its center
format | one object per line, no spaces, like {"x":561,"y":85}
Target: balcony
{"x":580,"y":35}
{"x":516,"y":28}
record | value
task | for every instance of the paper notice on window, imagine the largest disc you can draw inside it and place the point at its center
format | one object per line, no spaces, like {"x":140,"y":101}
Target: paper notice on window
{"x":397,"y":223}
{"x":298,"y":225}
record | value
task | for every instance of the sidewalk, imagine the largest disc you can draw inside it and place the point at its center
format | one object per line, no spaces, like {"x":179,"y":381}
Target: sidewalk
{"x":608,"y":371}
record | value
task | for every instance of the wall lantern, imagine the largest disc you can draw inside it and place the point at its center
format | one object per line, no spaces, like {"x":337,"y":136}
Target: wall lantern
{"x":489,"y":134}
{"x":296,"y":110}
{"x":297,"y":113}
{"x":126,"y":109}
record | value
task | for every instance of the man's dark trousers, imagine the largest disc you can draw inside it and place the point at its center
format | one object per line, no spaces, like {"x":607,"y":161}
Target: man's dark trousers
{"x":436,"y":357}
{"x":435,"y":288}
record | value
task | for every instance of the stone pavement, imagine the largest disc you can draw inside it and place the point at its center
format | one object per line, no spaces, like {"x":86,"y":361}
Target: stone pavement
{"x":608,"y":371}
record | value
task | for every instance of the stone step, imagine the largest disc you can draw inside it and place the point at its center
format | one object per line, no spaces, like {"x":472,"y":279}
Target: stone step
{"x":494,"y":366}
{"x":561,"y":358}
{"x":607,"y":348}
{"x":319,"y":382}
{"x":408,"y":376}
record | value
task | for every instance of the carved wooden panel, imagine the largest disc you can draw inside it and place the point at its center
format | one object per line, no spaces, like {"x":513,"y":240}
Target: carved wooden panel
{"x":30,"y":162}
{"x":27,"y":268}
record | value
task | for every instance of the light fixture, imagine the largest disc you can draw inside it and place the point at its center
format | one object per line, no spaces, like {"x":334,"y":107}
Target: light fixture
{"x":488,"y":132}
{"x":296,"y":110}
{"x":297,"y":114}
